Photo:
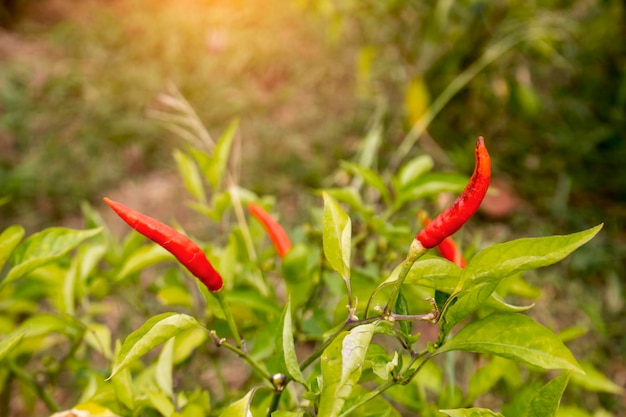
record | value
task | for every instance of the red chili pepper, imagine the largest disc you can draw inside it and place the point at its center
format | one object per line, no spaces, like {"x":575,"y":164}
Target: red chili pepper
{"x":275,"y":231}
{"x":184,"y":249}
{"x":464,"y":206}
{"x":447,"y":248}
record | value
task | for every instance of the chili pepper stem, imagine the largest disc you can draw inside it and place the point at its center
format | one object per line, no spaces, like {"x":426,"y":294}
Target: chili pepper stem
{"x":239,"y":352}
{"x":415,"y":252}
{"x":229,"y":318}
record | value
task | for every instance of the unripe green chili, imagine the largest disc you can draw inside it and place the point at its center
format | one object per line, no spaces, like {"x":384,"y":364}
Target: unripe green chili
{"x":184,"y":249}
{"x":464,"y":206}
{"x":274,"y":230}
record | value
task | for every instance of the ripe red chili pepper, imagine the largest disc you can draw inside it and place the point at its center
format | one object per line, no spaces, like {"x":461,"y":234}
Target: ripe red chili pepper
{"x":184,"y":249}
{"x":447,"y":248}
{"x":464,"y":206}
{"x":275,"y":231}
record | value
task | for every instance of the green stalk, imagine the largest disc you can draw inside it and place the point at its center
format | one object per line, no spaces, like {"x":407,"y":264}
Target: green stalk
{"x":415,"y":252}
{"x":27,"y":379}
{"x":229,"y":318}
{"x":255,"y":365}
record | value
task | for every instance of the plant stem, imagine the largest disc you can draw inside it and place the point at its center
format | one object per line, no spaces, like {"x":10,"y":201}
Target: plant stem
{"x":275,"y":402}
{"x":229,"y":318}
{"x":27,"y":379}
{"x":255,"y":365}
{"x":415,"y":252}
{"x":308,"y":361}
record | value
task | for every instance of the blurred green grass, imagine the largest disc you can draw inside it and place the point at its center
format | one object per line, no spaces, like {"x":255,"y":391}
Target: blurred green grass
{"x":74,"y":95}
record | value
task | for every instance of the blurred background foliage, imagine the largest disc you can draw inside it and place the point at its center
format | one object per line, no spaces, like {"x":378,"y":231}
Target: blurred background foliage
{"x":543,"y":81}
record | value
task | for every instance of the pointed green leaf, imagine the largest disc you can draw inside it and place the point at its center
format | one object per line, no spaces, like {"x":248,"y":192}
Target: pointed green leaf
{"x":342,"y":364}
{"x":594,"y":380}
{"x":164,"y":367}
{"x":189,"y":172}
{"x":370,"y":177}
{"x":221,"y":153}
{"x":406,"y":326}
{"x":514,"y":336}
{"x":240,"y":408}
{"x":288,"y":413}
{"x":437,"y":273}
{"x":482,"y":275}
{"x":337,"y":237}
{"x":152,"y":333}
{"x":349,"y":196}
{"x":141,"y":258}
{"x":10,"y":342}
{"x":9,"y":239}
{"x":546,"y":401}
{"x":42,"y":248}
{"x":505,"y":259}
{"x":498,"y":304}
{"x":471,"y":412}
{"x":159,"y":402}
{"x":413,"y":170}
{"x":432,"y":184}
{"x":488,"y":376}
{"x":123,"y":384}
{"x":285,"y":348}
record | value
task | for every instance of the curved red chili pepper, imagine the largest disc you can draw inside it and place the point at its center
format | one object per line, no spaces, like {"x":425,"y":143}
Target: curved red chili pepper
{"x":184,"y":249}
{"x":447,"y":248}
{"x":274,"y":230}
{"x":464,"y":206}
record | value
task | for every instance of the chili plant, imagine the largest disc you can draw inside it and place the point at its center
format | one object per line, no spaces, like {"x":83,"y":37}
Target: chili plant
{"x":356,"y":317}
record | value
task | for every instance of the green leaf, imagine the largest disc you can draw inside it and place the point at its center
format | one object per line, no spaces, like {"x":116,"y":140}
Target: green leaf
{"x":432,"y":184}
{"x":141,"y":258}
{"x":288,"y":413}
{"x":594,"y":380}
{"x":437,"y":273}
{"x":337,"y":236}
{"x":482,"y":275}
{"x":159,"y":402}
{"x":285,"y":348}
{"x":342,"y":364}
{"x":187,"y":342}
{"x":10,"y":342}
{"x":498,"y":304}
{"x":471,"y":412}
{"x":413,"y":170}
{"x":546,"y":401}
{"x":373,"y":405}
{"x":514,"y":336}
{"x":406,"y":326}
{"x":240,"y":408}
{"x":9,"y":239}
{"x":370,"y":177}
{"x":190,"y":174}
{"x":487,"y":377}
{"x":164,"y":367}
{"x":123,"y":384}
{"x":42,"y":248}
{"x":98,"y":336}
{"x":349,"y":196}
{"x":505,"y":259}
{"x":219,"y":159}
{"x":152,"y":333}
